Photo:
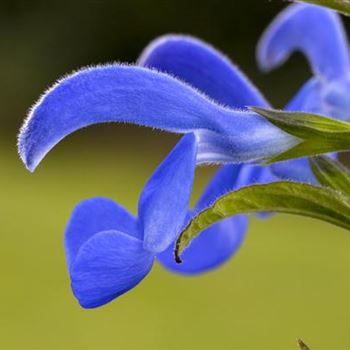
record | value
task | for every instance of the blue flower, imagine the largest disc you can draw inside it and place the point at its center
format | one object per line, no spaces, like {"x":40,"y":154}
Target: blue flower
{"x":185,"y":87}
{"x":151,"y":98}
{"x":109,"y":251}
{"x":319,"y":34}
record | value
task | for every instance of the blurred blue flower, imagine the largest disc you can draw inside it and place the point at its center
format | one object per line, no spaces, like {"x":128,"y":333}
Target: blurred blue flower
{"x":319,"y":34}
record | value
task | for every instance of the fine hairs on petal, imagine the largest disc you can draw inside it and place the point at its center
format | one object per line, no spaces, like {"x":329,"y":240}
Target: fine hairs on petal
{"x":107,"y":93}
{"x":22,"y":133}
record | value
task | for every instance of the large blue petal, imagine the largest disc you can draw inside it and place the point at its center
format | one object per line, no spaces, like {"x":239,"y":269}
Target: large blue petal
{"x":204,"y":67}
{"x":314,"y":30}
{"x":138,"y":95}
{"x":92,"y":216}
{"x":208,"y":70}
{"x":164,"y":202}
{"x":107,"y":265}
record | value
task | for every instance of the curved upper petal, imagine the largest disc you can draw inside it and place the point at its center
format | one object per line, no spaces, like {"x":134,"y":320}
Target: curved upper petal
{"x":204,"y":67}
{"x":164,"y":202}
{"x":314,"y":30}
{"x":92,"y":216}
{"x":107,"y":265}
{"x":118,"y":93}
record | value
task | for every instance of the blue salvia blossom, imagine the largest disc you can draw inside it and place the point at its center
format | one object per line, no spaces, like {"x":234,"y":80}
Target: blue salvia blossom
{"x":199,"y":93}
{"x":314,"y":30}
{"x":319,"y":34}
{"x":109,"y":251}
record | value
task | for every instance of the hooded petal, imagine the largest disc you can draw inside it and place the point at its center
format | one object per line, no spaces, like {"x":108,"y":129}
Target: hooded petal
{"x":203,"y":67}
{"x":314,"y":30}
{"x":164,"y":202}
{"x":92,"y":216}
{"x":141,"y":96}
{"x":107,"y":265}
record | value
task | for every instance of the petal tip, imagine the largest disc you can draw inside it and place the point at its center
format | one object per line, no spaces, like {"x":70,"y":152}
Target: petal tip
{"x":23,"y":146}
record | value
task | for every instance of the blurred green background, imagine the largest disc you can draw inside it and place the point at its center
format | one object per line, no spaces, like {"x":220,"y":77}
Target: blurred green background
{"x":289,"y":280}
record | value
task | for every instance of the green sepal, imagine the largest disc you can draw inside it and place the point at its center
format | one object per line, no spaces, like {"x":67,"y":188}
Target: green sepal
{"x":317,"y":134}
